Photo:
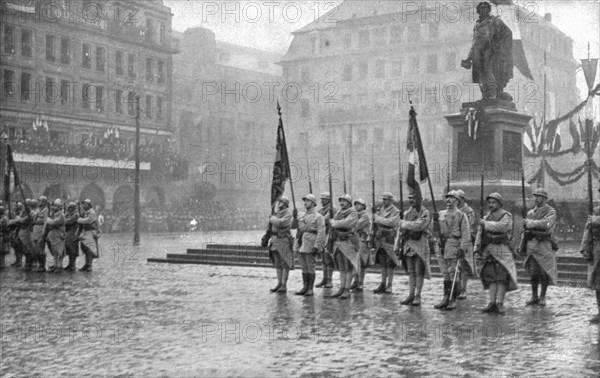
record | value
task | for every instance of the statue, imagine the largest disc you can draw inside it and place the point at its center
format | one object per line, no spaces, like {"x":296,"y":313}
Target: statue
{"x":491,"y":55}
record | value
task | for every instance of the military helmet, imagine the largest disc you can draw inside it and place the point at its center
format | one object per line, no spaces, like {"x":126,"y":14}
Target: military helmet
{"x":454,"y":194}
{"x":284,"y":199}
{"x":43,"y":199}
{"x":360,"y":201}
{"x":346,"y":197}
{"x":33,"y":202}
{"x":461,"y":194}
{"x":310,"y":197}
{"x":87,"y":200}
{"x":495,"y":196}
{"x":541,"y":192}
{"x":325,"y":195}
{"x":71,"y":205}
{"x":58,"y":202}
{"x":387,"y":195}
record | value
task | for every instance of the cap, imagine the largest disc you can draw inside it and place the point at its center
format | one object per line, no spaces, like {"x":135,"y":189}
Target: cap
{"x":461,"y":194}
{"x":541,"y":192}
{"x":325,"y":195}
{"x":454,"y":194}
{"x":284,"y":199}
{"x":346,"y":197}
{"x":387,"y":195}
{"x":495,"y":196}
{"x":361,"y":201}
{"x":310,"y":197}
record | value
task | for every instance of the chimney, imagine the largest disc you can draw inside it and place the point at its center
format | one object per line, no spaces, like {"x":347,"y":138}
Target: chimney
{"x":548,"y":17}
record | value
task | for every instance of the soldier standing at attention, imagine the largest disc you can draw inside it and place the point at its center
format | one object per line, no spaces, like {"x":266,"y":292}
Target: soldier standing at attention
{"x":327,"y":260}
{"x":4,"y":235}
{"x":386,"y":221}
{"x":280,"y":246}
{"x":469,"y":269}
{"x":310,"y":240}
{"x":362,"y":231}
{"x":414,"y":230}
{"x":538,"y":242}
{"x":499,"y":273}
{"x":88,"y":235}
{"x":22,"y":221}
{"x":592,"y":233}
{"x":37,"y":234}
{"x":55,"y":227}
{"x":454,"y":240}
{"x":71,"y":237}
{"x":345,"y":247}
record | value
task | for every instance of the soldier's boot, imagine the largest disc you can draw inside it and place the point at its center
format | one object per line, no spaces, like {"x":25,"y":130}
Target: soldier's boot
{"x":491,"y":307}
{"x":342,"y":286}
{"x":419,"y":283}
{"x":355,"y":281}
{"x":463,"y":286}
{"x":545,"y":282}
{"x":411,"y":294}
{"x":42,"y":263}
{"x":284,"y":278}
{"x":58,"y":263}
{"x":87,"y":267}
{"x":390,"y":281}
{"x":28,"y":263}
{"x":361,"y":280}
{"x":329,"y":283}
{"x":444,"y":303}
{"x":324,"y":280}
{"x":346,"y":293}
{"x":54,"y":266}
{"x":453,"y":297}
{"x":311,"y":282}
{"x":279,"y":274}
{"x":534,"y":289}
{"x":71,"y":265}
{"x":304,"y":283}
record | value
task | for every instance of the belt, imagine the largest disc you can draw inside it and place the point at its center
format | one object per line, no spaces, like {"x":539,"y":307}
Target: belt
{"x":311,"y":232}
{"x":342,"y":229}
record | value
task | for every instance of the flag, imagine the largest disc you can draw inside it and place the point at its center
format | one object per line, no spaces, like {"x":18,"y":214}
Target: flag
{"x":281,"y":168}
{"x":575,"y":136}
{"x":529,"y":139}
{"x":416,"y":155}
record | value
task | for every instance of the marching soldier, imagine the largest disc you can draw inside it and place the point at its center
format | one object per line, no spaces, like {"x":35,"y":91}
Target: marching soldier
{"x":592,"y":233}
{"x":22,"y":222}
{"x":454,"y":241}
{"x":89,"y":234}
{"x":327,"y":259}
{"x":362,"y":231}
{"x":539,"y":245}
{"x":71,"y":237}
{"x":414,"y":234}
{"x":37,"y":234}
{"x":280,"y":247}
{"x":310,"y":240}
{"x":4,"y":236}
{"x":493,"y":242}
{"x":470,"y":269}
{"x":55,"y":228}
{"x":345,"y":247}
{"x":386,"y":220}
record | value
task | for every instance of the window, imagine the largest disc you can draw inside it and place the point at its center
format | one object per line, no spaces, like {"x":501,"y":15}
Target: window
{"x":159,"y":107}
{"x":380,"y":69}
{"x":161,"y":35}
{"x":131,"y":65}
{"x":305,"y":108}
{"x":26,"y":42}
{"x":99,"y":98}
{"x":363,"y":70}
{"x":149,"y":73}
{"x":9,"y":39}
{"x":65,"y":50}
{"x":347,"y":73}
{"x":86,"y":96}
{"x":25,"y":86}
{"x":432,"y":63}
{"x":86,"y":56}
{"x":119,"y":101}
{"x":49,"y":89}
{"x":64,"y":92}
{"x":348,"y":41}
{"x":434,"y":31}
{"x":119,"y":62}
{"x":397,"y":34}
{"x":9,"y":83}
{"x":160,"y":73}
{"x":100,"y":58}
{"x":451,"y":61}
{"x":414,"y":63}
{"x":396,"y":68}
{"x":148,"y":106}
{"x":364,"y":38}
{"x":50,"y":48}
{"x":131,"y":104}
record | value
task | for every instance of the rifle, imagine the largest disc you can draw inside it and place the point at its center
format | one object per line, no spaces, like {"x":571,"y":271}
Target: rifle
{"x":589,"y":132}
{"x":373,"y":230}
{"x":448,"y":174}
{"x":401,"y":251}
{"x":523,"y":248}
{"x":308,"y":170}
{"x":344,"y":172}
{"x":331,"y":235}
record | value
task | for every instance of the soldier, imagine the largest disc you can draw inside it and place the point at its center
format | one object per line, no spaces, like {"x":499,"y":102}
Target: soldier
{"x":469,"y":269}
{"x":13,"y":240}
{"x":22,"y":222}
{"x":38,"y":240}
{"x":592,"y":233}
{"x":385,"y":221}
{"x":89,"y":234}
{"x":280,"y":246}
{"x":414,"y":234}
{"x":537,"y":241}
{"x":55,"y":228}
{"x":345,"y":247}
{"x":71,"y":237}
{"x":4,"y":236}
{"x":310,"y":240}
{"x":454,"y":241}
{"x":327,"y":260}
{"x":362,"y":231}
{"x":494,"y":243}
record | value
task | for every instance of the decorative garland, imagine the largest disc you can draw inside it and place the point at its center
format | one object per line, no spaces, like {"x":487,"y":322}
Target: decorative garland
{"x":564,"y":179}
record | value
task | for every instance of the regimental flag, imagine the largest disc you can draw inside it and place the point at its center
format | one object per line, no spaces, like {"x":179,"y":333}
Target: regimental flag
{"x":416,"y":155}
{"x":281,"y":168}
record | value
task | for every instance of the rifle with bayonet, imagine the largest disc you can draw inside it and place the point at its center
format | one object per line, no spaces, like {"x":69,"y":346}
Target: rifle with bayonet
{"x":373,"y":229}
{"x":331,"y":236}
{"x":310,"y":189}
{"x":344,"y":173}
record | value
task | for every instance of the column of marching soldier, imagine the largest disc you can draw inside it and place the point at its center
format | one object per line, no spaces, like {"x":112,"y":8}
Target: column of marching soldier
{"x":352,"y":241}
{"x":37,"y":224}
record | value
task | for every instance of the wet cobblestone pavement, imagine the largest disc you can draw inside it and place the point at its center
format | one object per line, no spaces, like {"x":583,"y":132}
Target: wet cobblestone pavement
{"x":131,"y":318}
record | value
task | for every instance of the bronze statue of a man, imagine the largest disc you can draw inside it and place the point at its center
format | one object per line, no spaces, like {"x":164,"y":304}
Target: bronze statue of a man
{"x":491,"y":54}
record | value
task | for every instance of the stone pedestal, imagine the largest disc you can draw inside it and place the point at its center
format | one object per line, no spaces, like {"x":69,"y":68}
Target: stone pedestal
{"x":502,"y":139}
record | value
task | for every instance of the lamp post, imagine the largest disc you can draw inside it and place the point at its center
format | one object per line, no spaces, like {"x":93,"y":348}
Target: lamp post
{"x":136,"y":226}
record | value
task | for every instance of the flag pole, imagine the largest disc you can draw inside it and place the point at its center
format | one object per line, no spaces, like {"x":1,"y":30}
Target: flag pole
{"x":287,"y":158}
{"x":136,"y":202}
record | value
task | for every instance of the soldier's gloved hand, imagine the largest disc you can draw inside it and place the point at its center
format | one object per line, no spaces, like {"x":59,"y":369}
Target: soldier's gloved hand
{"x":314,"y":250}
{"x":460,"y":254}
{"x":295,"y":213}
